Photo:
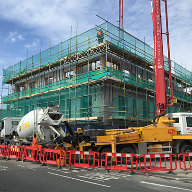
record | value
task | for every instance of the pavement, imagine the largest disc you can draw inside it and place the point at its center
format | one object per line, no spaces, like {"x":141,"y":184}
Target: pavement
{"x":178,"y":174}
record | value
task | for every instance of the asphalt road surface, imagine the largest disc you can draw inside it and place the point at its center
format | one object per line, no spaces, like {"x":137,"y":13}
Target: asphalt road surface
{"x":26,"y":176}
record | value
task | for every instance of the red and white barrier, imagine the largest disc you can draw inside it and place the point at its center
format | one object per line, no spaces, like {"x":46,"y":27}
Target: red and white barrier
{"x":185,"y":161}
{"x":119,"y":161}
{"x":30,"y":153}
{"x":3,"y":150}
{"x":14,"y":151}
{"x":92,"y":159}
{"x":157,"y":162}
{"x":89,"y":159}
{"x":52,"y":156}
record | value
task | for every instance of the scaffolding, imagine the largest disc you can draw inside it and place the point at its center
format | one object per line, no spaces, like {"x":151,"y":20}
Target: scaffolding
{"x":106,"y":81}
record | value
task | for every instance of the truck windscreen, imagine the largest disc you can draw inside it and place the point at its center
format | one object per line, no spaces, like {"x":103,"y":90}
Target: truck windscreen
{"x":189,"y":121}
{"x":1,"y":125}
{"x":55,"y":116}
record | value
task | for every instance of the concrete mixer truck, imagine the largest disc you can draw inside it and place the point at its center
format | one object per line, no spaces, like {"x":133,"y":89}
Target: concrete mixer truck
{"x":42,"y":121}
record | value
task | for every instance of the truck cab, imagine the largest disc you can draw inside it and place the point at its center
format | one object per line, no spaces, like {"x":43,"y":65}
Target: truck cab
{"x":8,"y":128}
{"x":183,"y":122}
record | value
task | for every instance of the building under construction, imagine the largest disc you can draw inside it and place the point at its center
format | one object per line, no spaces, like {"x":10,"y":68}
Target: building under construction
{"x":105,"y":80}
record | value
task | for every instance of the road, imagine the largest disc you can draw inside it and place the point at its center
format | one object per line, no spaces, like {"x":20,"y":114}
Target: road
{"x":26,"y":176}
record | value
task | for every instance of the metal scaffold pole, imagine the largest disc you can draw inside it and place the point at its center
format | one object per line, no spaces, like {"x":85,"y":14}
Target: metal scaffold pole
{"x":60,"y":75}
{"x":76,"y":78}
{"x":88,"y":110}
{"x":69,"y":72}
{"x":48,"y":78}
{"x":39,"y":76}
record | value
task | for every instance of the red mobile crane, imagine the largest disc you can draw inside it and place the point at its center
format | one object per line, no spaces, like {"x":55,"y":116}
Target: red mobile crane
{"x":161,"y":99}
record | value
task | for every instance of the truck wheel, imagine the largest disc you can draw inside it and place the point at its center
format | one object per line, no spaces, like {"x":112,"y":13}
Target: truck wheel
{"x":186,"y":149}
{"x":126,"y":150}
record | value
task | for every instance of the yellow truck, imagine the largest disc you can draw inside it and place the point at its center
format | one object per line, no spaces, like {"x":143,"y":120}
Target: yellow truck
{"x":168,"y":134}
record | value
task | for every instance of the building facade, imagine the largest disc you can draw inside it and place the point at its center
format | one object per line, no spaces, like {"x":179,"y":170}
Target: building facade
{"x":105,"y":81}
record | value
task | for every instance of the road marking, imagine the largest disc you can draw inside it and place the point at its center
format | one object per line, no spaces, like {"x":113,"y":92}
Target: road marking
{"x":99,"y":177}
{"x":20,"y":165}
{"x":156,"y":184}
{"x":66,"y":169}
{"x":79,"y":180}
{"x":120,"y":175}
{"x":77,"y":168}
{"x":3,"y":168}
{"x":59,"y":170}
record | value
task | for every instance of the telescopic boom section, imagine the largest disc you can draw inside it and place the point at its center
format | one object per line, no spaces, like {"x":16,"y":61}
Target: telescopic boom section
{"x":158,"y":58}
{"x":121,"y":14}
{"x":161,"y":100}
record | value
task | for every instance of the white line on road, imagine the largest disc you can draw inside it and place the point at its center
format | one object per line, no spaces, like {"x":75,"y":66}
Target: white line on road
{"x":20,"y":165}
{"x":78,"y":179}
{"x":167,"y":186}
{"x":59,"y":170}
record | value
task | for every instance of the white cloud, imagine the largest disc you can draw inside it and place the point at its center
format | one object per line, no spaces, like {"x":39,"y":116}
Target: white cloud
{"x":34,"y":44}
{"x":48,"y":17}
{"x":13,"y":37}
{"x":54,"y":18}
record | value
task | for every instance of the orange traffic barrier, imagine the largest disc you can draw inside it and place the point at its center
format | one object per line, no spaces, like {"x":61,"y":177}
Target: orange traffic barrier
{"x":119,"y":161}
{"x":157,"y":162}
{"x":89,"y":159}
{"x":14,"y":151}
{"x":3,"y":150}
{"x":30,"y":153}
{"x":185,"y":161}
{"x":52,"y":156}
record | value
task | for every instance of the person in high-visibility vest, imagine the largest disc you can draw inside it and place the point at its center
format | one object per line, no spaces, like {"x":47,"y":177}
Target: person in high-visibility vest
{"x":34,"y":153}
{"x":100,"y":36}
{"x":35,"y":142}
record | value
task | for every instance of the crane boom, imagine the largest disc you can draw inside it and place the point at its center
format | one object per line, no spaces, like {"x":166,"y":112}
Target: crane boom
{"x":121,"y":14}
{"x":161,"y":99}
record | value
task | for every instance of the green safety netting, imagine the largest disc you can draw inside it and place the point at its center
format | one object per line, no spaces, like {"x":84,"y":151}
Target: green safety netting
{"x":77,"y":44}
{"x":78,"y":102}
{"x":86,"y":102}
{"x":91,"y":76}
{"x":82,"y":42}
{"x":79,"y":79}
{"x":182,"y":73}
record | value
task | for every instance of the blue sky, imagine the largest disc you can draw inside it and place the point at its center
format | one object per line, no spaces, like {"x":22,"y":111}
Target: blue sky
{"x":25,"y":24}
